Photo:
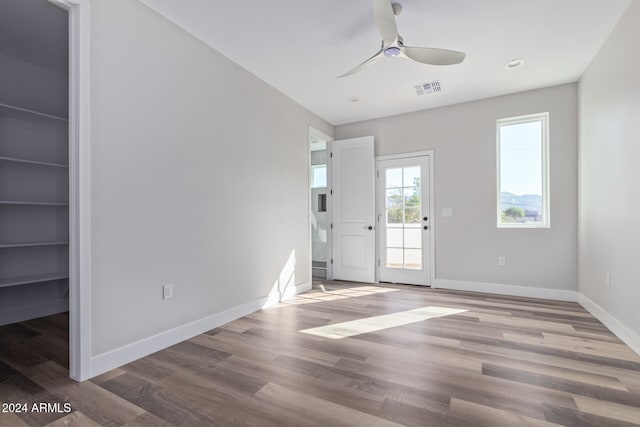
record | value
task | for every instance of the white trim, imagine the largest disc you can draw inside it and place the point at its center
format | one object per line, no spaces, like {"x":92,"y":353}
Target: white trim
{"x":432,"y":214}
{"x":128,"y":353}
{"x":512,"y":290}
{"x":546,"y":196}
{"x":79,"y":189}
{"x":628,"y":336}
{"x":329,"y":271}
{"x":302,"y":288}
{"x":276,"y":297}
{"x":405,"y":155}
{"x":432,"y":208}
{"x":622,"y":331}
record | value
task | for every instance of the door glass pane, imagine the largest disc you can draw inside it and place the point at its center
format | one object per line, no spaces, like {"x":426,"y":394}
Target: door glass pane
{"x":393,"y":177}
{"x":413,"y":259}
{"x":394,"y":238}
{"x":411,"y":177}
{"x":412,"y":216}
{"x":404,"y":233}
{"x":394,"y":258}
{"x":412,"y":238}
{"x":394,"y":217}
{"x":394,"y":198}
{"x":412,"y":196}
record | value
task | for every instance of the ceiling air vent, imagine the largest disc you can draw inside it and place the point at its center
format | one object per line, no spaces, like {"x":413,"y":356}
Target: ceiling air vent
{"x":428,"y":88}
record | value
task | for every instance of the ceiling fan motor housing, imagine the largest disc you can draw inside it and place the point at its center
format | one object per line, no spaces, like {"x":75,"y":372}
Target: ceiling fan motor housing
{"x":392,"y":51}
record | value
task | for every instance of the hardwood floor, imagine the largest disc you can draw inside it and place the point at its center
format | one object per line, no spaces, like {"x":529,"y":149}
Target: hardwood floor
{"x":332,"y":359}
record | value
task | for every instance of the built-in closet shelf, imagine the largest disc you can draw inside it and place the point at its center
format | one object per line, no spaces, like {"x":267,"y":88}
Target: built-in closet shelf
{"x":32,"y":162}
{"x":35,"y":113}
{"x":10,"y":202}
{"x":25,"y":280}
{"x":34,"y":178}
{"x":29,"y":245}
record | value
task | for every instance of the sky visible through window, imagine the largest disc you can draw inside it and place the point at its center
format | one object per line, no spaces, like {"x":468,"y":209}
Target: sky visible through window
{"x":521,"y":158}
{"x":318,"y":176}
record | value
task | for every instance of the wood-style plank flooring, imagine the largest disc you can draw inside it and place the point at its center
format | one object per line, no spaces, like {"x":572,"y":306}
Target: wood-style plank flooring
{"x":450,"y":359}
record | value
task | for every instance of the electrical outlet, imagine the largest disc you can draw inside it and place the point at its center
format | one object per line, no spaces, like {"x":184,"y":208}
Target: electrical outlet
{"x":502,"y":260}
{"x":607,"y":281}
{"x":167,"y":291}
{"x":447,"y":212}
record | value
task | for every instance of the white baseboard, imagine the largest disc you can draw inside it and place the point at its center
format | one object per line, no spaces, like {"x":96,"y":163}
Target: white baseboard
{"x":121,"y":356}
{"x":305,"y":287}
{"x":629,"y":337}
{"x":272,"y":299}
{"x":130,"y":352}
{"x":512,"y":290}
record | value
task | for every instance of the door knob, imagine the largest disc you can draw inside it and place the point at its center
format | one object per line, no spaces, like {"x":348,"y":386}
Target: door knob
{"x":370,"y":227}
{"x":425,"y":219}
{"x":426,"y":227}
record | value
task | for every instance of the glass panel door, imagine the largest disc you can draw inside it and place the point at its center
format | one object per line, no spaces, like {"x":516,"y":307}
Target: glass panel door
{"x":404,"y":222}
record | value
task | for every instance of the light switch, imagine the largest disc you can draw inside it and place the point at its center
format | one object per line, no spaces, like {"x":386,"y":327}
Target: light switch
{"x":447,"y":212}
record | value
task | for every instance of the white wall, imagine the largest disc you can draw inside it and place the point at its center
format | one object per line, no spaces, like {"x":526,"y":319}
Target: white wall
{"x":30,"y":86}
{"x":610,"y":175}
{"x":464,"y":140}
{"x":199,"y":178}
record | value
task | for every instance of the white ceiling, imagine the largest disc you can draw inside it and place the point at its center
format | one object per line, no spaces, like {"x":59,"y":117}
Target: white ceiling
{"x":299,"y":46}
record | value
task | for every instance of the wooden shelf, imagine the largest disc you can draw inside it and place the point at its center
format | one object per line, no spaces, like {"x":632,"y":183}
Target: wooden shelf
{"x":35,"y":113}
{"x":29,"y":245}
{"x":11,"y":202}
{"x":32,"y":162}
{"x":24,"y":280}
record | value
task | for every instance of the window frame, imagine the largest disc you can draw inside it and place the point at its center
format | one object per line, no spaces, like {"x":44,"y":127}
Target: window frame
{"x":546,"y":202}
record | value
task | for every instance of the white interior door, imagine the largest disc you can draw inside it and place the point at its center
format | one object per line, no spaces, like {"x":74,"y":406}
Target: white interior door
{"x":353,"y":209}
{"x":404,"y":223}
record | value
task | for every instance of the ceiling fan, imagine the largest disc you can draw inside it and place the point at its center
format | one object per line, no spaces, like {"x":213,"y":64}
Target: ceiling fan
{"x":385,"y":14}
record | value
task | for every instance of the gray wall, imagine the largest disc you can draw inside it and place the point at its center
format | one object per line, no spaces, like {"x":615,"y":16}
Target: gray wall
{"x":33,"y":87}
{"x":464,"y":140}
{"x":610,"y":173}
{"x":199,"y":177}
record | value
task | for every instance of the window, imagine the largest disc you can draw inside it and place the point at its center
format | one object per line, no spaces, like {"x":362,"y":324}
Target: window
{"x":523,"y":172}
{"x":318,"y":176}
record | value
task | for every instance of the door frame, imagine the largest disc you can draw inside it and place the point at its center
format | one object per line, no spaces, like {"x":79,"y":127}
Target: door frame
{"x":79,"y":188}
{"x":315,"y":132}
{"x":432,"y":223}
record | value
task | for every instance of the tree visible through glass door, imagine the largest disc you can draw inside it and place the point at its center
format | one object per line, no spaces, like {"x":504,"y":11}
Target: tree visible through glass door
{"x":404,"y":222}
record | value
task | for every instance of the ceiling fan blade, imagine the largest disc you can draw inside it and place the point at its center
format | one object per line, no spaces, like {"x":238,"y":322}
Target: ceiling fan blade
{"x":433,"y":56}
{"x":385,"y":21}
{"x":366,"y":63}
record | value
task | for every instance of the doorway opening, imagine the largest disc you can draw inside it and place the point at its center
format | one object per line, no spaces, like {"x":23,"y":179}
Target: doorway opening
{"x":319,"y":215}
{"x":34,"y":182}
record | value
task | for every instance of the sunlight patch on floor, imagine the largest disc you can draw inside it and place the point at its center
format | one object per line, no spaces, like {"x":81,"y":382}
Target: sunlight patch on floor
{"x":315,"y":296}
{"x":337,"y":331}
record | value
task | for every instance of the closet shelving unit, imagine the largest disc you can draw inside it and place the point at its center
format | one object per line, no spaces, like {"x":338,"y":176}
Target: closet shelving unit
{"x":34,"y":214}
